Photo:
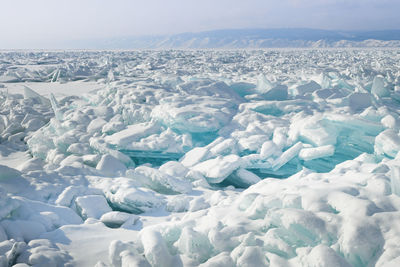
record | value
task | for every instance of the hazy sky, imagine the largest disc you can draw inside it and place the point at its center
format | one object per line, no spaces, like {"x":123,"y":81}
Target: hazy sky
{"x":29,"y":22}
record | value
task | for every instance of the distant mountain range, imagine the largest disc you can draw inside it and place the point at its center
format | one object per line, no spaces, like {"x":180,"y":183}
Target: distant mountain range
{"x":251,"y":38}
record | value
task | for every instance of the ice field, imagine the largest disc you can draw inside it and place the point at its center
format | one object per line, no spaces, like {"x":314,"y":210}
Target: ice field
{"x":200,"y":158}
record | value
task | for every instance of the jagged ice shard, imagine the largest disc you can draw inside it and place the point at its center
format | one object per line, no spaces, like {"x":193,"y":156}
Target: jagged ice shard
{"x":200,"y":158}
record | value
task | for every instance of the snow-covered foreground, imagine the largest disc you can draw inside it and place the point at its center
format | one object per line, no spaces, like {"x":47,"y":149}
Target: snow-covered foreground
{"x":210,"y":158}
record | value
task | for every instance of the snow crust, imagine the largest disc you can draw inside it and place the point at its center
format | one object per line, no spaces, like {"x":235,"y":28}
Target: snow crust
{"x":200,"y":158}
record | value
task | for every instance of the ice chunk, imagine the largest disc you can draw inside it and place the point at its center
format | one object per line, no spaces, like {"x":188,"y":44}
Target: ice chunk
{"x":194,"y":156}
{"x":8,"y":173}
{"x":155,"y":249}
{"x":194,"y":114}
{"x":71,"y":192}
{"x":29,"y":93}
{"x":322,"y":255}
{"x":395,"y":180}
{"x":178,"y":203}
{"x":111,"y":166}
{"x":216,"y":170}
{"x":224,"y":147}
{"x":389,"y":121}
{"x":131,"y":259}
{"x":279,"y":93}
{"x":198,"y":204}
{"x":252,"y":143}
{"x":124,"y":194}
{"x":252,"y":256}
{"x":174,"y":169}
{"x":92,"y":206}
{"x":243,"y":88}
{"x":360,"y":242}
{"x":387,"y":143}
{"x":269,"y":149}
{"x":263,"y":84}
{"x":287,"y":156}
{"x":133,"y":133}
{"x":280,"y":137}
{"x":79,"y":149}
{"x":305,"y":88}
{"x":242,"y":178}
{"x":378,"y":87}
{"x":208,"y":87}
{"x":23,"y":230}
{"x":42,"y":252}
{"x":222,"y":259}
{"x":112,"y":127}
{"x":100,"y":146}
{"x":316,"y":152}
{"x":114,"y":219}
{"x":359,"y":101}
{"x":195,"y":245}
{"x":96,"y":125}
{"x":56,"y":108}
{"x":160,"y":182}
{"x":125,"y":254}
{"x":3,"y":235}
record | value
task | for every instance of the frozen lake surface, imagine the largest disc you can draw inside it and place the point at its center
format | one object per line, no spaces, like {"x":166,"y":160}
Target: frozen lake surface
{"x":210,"y":158}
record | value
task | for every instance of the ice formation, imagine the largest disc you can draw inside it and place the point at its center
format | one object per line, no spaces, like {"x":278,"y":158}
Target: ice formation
{"x":200,"y":158}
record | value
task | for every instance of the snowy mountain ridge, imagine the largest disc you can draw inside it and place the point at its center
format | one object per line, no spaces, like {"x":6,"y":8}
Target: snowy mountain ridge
{"x":256,"y":38}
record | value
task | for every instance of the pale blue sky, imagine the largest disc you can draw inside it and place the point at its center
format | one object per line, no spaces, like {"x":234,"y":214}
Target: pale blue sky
{"x":41,"y":21}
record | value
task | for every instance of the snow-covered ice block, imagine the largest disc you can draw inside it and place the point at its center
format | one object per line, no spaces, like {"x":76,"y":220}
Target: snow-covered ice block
{"x":133,"y":133}
{"x":305,"y":88}
{"x":194,"y":114}
{"x":8,"y":173}
{"x":79,"y":149}
{"x":125,"y":194}
{"x":395,"y":180}
{"x":155,"y":249}
{"x":252,"y":143}
{"x":71,"y":192}
{"x":316,"y":152}
{"x":178,"y":203}
{"x":29,"y":93}
{"x":252,"y":255}
{"x":111,"y":166}
{"x":387,"y":143}
{"x":194,"y":156}
{"x":389,"y":121}
{"x":100,"y":146}
{"x":378,"y":87}
{"x":42,"y":252}
{"x":224,"y":147}
{"x":174,"y":168}
{"x":323,"y":255}
{"x":269,"y":149}
{"x":222,"y":259}
{"x":96,"y":125}
{"x":159,"y":181}
{"x":198,"y":204}
{"x":195,"y":245}
{"x":115,"y":219}
{"x":360,"y":242}
{"x":92,"y":206}
{"x":242,"y":178}
{"x":263,"y":84}
{"x":288,"y":155}
{"x":278,"y":92}
{"x":217,"y":169}
{"x":359,"y":101}
{"x":22,"y":230}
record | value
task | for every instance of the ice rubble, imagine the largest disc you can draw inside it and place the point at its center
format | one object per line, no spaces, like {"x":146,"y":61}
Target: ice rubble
{"x":185,"y":158}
